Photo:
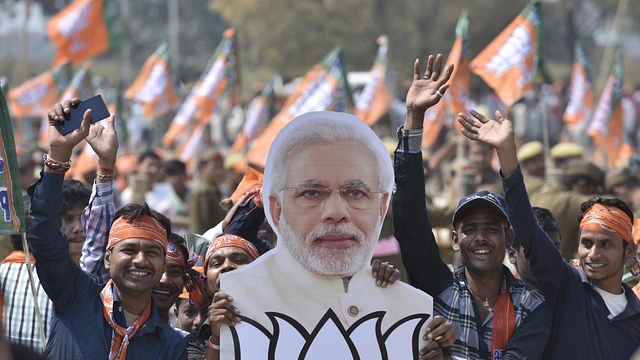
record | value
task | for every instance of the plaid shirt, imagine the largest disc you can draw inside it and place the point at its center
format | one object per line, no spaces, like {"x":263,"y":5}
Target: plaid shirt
{"x":97,"y":218}
{"x":20,"y":321}
{"x":453,"y":299}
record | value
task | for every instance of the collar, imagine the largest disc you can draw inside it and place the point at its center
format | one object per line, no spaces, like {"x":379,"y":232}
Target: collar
{"x":154,"y":321}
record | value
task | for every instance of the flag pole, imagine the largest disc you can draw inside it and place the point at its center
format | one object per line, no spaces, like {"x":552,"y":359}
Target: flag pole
{"x":20,"y":70}
{"x":609,"y":50}
{"x":36,"y":307}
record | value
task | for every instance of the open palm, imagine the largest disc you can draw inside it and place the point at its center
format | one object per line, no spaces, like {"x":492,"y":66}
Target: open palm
{"x":480,"y":128}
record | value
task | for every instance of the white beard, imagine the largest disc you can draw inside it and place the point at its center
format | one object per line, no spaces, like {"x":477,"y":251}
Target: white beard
{"x":326,"y":261}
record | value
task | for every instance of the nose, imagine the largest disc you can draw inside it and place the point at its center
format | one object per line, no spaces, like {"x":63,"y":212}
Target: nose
{"x":199,"y":319}
{"x":335,"y":209}
{"x":228,"y":266}
{"x":164,"y":279}
{"x":140,"y":258}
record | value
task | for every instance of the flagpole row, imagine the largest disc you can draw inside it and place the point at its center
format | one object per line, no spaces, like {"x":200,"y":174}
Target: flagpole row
{"x":34,"y":293}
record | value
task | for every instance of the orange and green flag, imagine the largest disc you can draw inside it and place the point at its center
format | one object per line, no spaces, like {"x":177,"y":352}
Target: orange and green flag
{"x":11,"y":203}
{"x":456,"y":97}
{"x":324,"y":87}
{"x":606,"y":127}
{"x":154,"y":86}
{"x":84,"y":29}
{"x":38,"y":94}
{"x":509,"y":63}
{"x":219,"y":75}
{"x":581,"y":96}
{"x":258,"y":115}
{"x":377,"y":96}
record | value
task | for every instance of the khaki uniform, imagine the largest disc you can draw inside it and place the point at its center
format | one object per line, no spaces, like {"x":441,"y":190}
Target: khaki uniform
{"x":533,"y":184}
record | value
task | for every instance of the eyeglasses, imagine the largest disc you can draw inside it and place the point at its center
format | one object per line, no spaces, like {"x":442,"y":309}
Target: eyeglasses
{"x":356,"y":196}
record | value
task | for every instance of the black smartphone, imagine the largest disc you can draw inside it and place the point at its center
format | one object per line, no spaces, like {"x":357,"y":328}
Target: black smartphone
{"x":73,"y":119}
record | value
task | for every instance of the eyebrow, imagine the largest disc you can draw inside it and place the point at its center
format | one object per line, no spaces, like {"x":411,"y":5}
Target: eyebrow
{"x":319,"y":183}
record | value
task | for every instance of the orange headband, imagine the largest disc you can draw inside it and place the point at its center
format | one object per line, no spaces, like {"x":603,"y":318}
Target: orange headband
{"x":636,"y":231}
{"x":600,"y":217}
{"x":145,"y":227}
{"x":228,"y":240}
{"x":174,"y":253}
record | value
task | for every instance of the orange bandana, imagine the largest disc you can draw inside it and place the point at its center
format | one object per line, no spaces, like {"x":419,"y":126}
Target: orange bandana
{"x":228,"y":240}
{"x":195,"y":288}
{"x":600,"y":217}
{"x":175,"y":254}
{"x":144,"y":227}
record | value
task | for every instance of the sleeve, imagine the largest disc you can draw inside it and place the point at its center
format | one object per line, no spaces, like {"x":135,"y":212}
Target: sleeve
{"x":530,"y":338}
{"x":246,"y":222}
{"x":97,"y":218}
{"x":59,"y":276}
{"x":546,"y":262}
{"x":412,"y":229}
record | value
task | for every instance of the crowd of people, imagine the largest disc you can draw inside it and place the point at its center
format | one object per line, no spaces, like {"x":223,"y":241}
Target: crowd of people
{"x":537,"y":259}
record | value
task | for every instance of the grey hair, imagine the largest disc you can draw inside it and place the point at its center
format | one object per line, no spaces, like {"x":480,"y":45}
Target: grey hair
{"x":324,"y":126}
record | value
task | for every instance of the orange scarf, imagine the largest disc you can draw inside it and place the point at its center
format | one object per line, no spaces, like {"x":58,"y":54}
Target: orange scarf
{"x":504,"y":323}
{"x":18,"y":257}
{"x":120,"y":336}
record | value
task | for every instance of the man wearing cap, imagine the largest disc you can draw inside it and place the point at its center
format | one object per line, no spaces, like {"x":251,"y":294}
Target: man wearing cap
{"x":494,"y":315}
{"x":118,"y":321}
{"x":531,"y":156}
{"x":565,"y":151}
{"x":596,"y":316}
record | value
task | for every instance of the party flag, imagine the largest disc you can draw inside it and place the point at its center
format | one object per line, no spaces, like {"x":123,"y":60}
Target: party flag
{"x":377,"y":96}
{"x":258,"y":115}
{"x":455,"y":99}
{"x":38,"y":94}
{"x":581,"y":96}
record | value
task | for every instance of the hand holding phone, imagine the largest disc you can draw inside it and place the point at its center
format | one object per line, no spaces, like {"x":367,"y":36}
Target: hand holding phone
{"x":73,"y":119}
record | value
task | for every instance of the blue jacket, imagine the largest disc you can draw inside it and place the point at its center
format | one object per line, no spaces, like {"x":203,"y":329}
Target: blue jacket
{"x":581,"y":328}
{"x":79,"y":330}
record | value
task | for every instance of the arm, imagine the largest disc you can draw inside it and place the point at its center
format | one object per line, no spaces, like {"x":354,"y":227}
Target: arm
{"x":530,"y":338}
{"x":244,"y":219}
{"x":546,"y":262}
{"x":99,"y":214}
{"x":420,"y":253}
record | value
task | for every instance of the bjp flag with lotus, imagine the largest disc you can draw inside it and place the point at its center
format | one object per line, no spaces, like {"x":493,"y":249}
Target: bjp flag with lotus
{"x":455,"y":99}
{"x":153,"y":87}
{"x":38,"y":94}
{"x":377,"y":96}
{"x":84,"y":29}
{"x":509,"y":63}
{"x":581,"y":97}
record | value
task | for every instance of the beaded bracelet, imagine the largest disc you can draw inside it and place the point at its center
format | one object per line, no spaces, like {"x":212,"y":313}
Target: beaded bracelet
{"x":104,"y":176}
{"x":58,"y":167}
{"x":105,"y":171}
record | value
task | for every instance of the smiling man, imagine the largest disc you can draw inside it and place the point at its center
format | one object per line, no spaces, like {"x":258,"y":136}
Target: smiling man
{"x":118,"y":321}
{"x":327,"y":186}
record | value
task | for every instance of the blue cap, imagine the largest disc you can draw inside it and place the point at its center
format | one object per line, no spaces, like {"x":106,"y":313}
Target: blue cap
{"x":485,"y":199}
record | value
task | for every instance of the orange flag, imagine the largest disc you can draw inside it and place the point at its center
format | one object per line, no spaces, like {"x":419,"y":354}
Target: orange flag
{"x":377,"y":96}
{"x":323,"y":87}
{"x":258,"y":115}
{"x":433,"y":126}
{"x":84,"y":29}
{"x":581,"y":97}
{"x":455,"y":99}
{"x":38,"y":94}
{"x":153,"y":87}
{"x":508,"y":64}
{"x":199,"y":106}
{"x":606,"y":127}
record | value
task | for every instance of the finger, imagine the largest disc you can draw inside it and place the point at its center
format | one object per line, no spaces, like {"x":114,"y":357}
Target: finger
{"x":424,"y":352}
{"x":499,"y":116}
{"x":111,"y":123}
{"x":467,"y":123}
{"x":59,"y":111}
{"x":416,"y":69}
{"x":483,"y":119}
{"x":86,"y":122}
{"x":395,"y":276}
{"x":435,"y":74}
{"x":443,"y":89}
{"x":221,"y":295}
{"x":375,"y":267}
{"x":75,"y":101}
{"x":427,"y":72}
{"x":446,"y":75}
{"x":435,"y":323}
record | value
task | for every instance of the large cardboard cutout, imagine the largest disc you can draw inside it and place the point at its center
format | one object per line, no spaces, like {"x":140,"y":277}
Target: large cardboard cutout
{"x":327,"y":186}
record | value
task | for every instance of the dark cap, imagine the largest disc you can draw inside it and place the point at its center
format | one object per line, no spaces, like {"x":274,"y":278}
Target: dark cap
{"x":586,"y":169}
{"x":485,"y":199}
{"x":615,"y":177}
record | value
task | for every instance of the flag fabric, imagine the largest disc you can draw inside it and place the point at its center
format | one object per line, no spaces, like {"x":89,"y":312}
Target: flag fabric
{"x":581,"y":96}
{"x":258,"y":115}
{"x":456,"y":97}
{"x":13,"y":218}
{"x":323,"y":87}
{"x":377,"y":96}
{"x":509,"y":63}
{"x":200,"y":104}
{"x":433,"y":126}
{"x":606,"y":127}
{"x":38,"y":94}
{"x":84,"y":29}
{"x":153,"y":87}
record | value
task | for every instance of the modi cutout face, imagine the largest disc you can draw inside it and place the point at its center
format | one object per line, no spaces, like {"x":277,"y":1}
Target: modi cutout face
{"x":329,"y":205}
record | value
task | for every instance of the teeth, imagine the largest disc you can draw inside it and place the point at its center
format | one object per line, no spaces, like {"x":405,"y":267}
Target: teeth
{"x":138,"y":273}
{"x":596,"y":266}
{"x":483,"y":251}
{"x":161,"y":292}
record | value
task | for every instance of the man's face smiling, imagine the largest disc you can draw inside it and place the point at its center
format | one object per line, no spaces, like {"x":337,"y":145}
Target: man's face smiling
{"x":331,"y":210}
{"x":170,"y":286}
{"x":135,"y":265}
{"x":480,"y":237}
{"x":602,"y":257}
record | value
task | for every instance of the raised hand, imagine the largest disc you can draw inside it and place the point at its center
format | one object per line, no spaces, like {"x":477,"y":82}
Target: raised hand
{"x":61,"y":146}
{"x":104,"y":141}
{"x":428,"y":89}
{"x":497,"y":133}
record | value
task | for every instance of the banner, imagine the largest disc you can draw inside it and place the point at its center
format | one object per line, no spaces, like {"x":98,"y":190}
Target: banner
{"x":153,"y":87}
{"x":38,"y":94}
{"x":84,"y":29}
{"x":606,"y":127}
{"x":11,"y":203}
{"x":509,"y":63}
{"x":323,"y":87}
{"x":199,"y":106}
{"x":581,"y":96}
{"x":377,"y":96}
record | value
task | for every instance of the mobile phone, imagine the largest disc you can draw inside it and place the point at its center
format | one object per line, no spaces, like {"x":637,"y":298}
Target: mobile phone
{"x":73,"y":119}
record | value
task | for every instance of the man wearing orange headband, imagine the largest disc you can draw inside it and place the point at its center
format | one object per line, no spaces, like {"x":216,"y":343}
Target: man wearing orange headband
{"x":118,"y":321}
{"x":596,"y":315}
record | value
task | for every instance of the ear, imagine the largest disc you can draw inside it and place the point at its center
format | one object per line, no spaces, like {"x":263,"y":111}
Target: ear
{"x":454,"y":241}
{"x":512,"y":256}
{"x":629,"y":251}
{"x":508,"y":238}
{"x":275,"y":208}
{"x":107,"y":259}
{"x":175,"y":311}
{"x":383,"y":205}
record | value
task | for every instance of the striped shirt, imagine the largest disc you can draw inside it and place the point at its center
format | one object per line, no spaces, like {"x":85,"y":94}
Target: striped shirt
{"x":97,"y":218}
